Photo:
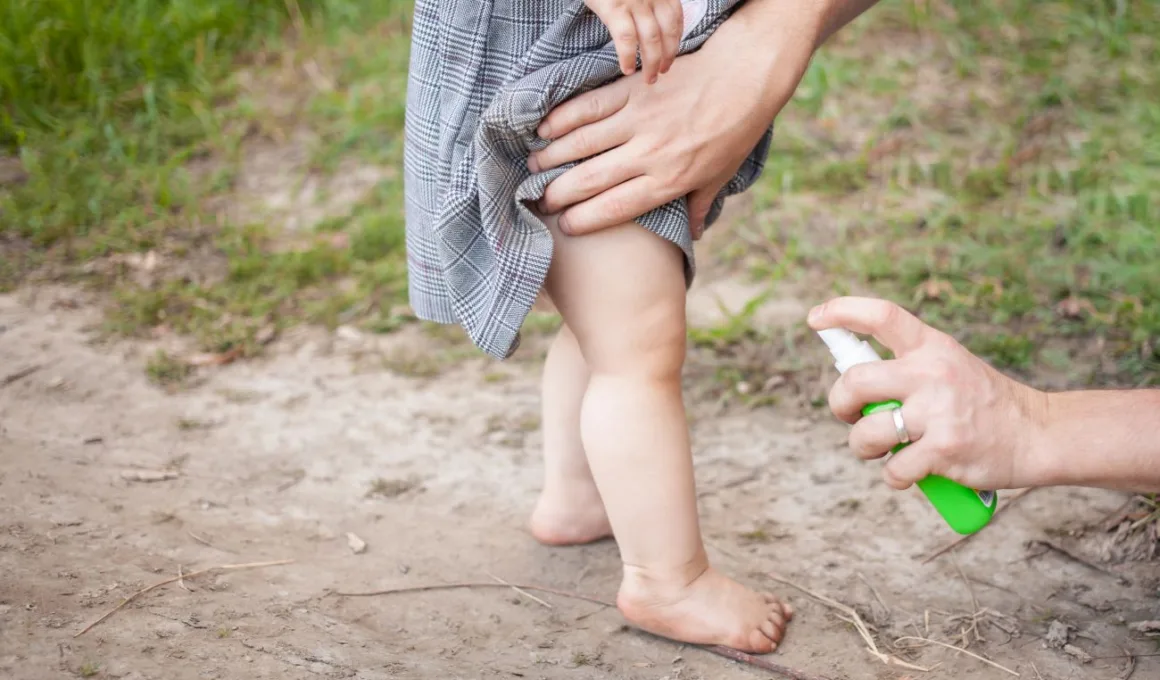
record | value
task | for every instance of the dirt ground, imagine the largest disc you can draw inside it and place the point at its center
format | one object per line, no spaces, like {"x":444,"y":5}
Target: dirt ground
{"x":281,"y":457}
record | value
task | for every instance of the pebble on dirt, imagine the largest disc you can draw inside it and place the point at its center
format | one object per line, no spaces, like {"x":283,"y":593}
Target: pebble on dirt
{"x":357,"y":545}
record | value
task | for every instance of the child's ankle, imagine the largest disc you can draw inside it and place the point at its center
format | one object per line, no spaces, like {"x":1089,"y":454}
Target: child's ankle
{"x":671,"y":575}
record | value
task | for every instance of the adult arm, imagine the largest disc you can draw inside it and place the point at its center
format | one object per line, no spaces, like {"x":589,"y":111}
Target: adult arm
{"x":687,"y":134}
{"x":976,"y":426}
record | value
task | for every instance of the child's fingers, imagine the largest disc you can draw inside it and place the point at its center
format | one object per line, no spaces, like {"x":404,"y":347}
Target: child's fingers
{"x":623,"y":31}
{"x":651,"y":42}
{"x":671,"y":18}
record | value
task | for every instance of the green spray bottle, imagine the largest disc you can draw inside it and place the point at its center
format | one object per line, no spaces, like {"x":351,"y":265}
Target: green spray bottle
{"x":964,"y":509}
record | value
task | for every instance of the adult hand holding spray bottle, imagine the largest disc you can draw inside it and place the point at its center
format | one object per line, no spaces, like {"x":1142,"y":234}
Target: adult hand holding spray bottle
{"x":964,"y":509}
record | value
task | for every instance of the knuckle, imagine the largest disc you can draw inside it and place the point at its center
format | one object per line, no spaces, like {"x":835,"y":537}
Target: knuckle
{"x":887,"y":315}
{"x":626,"y":36}
{"x":594,"y":107}
{"x":857,"y":379}
{"x":940,"y":370}
{"x":943,"y":442}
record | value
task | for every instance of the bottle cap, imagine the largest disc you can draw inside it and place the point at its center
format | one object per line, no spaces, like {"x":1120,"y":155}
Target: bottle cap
{"x":848,"y":350}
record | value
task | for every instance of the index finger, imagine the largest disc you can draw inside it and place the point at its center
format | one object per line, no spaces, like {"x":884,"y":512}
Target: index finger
{"x":892,"y":325}
{"x":590,"y":107}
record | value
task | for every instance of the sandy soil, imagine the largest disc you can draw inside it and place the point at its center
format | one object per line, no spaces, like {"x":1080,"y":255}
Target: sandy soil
{"x":280,"y":458}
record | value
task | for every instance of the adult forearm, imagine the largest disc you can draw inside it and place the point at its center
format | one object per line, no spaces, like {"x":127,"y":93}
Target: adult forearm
{"x":1108,"y":439}
{"x":837,"y":13}
{"x":775,"y":40}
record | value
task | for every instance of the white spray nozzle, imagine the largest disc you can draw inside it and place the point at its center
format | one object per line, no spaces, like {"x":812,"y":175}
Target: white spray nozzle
{"x":847,"y":348}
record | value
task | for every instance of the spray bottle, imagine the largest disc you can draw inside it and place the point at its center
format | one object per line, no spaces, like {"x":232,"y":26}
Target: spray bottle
{"x":964,"y":509}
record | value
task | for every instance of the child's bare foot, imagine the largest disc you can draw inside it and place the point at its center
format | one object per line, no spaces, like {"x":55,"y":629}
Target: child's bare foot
{"x":570,"y":514}
{"x":709,"y":609}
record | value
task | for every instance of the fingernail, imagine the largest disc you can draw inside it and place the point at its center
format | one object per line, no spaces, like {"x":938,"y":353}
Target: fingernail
{"x":562,"y":223}
{"x":544,"y":131}
{"x":533,"y":164}
{"x":815,"y":314}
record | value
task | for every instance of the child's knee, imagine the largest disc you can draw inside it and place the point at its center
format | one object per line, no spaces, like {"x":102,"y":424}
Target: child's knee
{"x":651,"y":346}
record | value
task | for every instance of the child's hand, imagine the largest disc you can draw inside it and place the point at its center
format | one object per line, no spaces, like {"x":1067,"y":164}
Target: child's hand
{"x":655,"y":26}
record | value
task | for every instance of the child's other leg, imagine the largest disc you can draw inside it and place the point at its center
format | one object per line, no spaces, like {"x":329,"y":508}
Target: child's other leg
{"x":570,"y":510}
{"x":622,"y":292}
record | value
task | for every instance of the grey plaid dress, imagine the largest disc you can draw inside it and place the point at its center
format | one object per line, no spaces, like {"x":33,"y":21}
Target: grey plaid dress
{"x":483,"y":74}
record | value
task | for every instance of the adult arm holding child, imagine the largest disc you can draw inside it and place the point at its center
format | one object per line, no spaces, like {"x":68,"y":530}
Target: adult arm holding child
{"x":687,"y":134}
{"x":972,"y":424}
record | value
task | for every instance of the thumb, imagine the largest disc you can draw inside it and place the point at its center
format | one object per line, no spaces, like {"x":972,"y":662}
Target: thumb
{"x":699,"y":204}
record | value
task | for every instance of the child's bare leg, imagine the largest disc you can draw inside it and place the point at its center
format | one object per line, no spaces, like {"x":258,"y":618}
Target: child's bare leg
{"x":622,"y":292}
{"x":569,"y":511}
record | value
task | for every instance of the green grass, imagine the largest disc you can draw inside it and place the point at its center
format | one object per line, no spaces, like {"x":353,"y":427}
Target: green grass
{"x":132,"y":127}
{"x":994,"y":166}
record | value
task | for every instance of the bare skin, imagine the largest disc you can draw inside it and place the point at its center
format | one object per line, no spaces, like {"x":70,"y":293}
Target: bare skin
{"x":569,"y":511}
{"x":612,"y":389}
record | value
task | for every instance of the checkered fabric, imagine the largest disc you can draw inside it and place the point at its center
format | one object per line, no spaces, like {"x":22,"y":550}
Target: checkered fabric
{"x":483,"y":74}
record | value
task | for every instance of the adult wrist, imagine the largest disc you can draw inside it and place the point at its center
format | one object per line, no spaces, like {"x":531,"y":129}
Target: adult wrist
{"x":1042,"y":464}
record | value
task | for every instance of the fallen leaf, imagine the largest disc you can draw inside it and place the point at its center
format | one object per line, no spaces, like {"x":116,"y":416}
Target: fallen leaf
{"x":357,"y":545}
{"x":214,"y":359}
{"x":1026,"y":155}
{"x":266,"y":335}
{"x":1073,"y":307}
{"x":934,"y":289}
{"x":1079,"y":654}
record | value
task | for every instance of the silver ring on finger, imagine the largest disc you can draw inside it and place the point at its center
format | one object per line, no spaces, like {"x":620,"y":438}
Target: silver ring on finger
{"x":900,"y":426}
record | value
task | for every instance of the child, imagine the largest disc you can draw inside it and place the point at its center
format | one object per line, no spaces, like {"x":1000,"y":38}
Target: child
{"x":483,"y":74}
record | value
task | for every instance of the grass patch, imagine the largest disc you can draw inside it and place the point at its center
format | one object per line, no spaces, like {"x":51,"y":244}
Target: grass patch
{"x":995,"y":167}
{"x":165,"y":370}
{"x":132,"y":125}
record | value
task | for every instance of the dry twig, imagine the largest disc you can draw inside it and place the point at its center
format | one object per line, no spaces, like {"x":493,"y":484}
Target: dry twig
{"x":521,"y":591}
{"x":733,"y":654}
{"x":139,"y":593}
{"x":874,"y":592}
{"x":963,"y":539}
{"x":957,"y":649}
{"x":855,"y":620}
{"x":1049,"y":546}
{"x":20,"y":375}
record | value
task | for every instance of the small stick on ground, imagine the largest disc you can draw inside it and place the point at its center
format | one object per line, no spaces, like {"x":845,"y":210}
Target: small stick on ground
{"x":199,"y":539}
{"x":762,"y":663}
{"x":1049,"y":546}
{"x":181,"y":580}
{"x":483,"y":584}
{"x":521,"y":591}
{"x":963,"y":539}
{"x":1130,"y":668}
{"x":738,"y":481}
{"x":1036,"y":671}
{"x":139,"y":593}
{"x":20,"y":375}
{"x":874,"y":592}
{"x":961,"y":650}
{"x":726,"y":652}
{"x":855,"y":620}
